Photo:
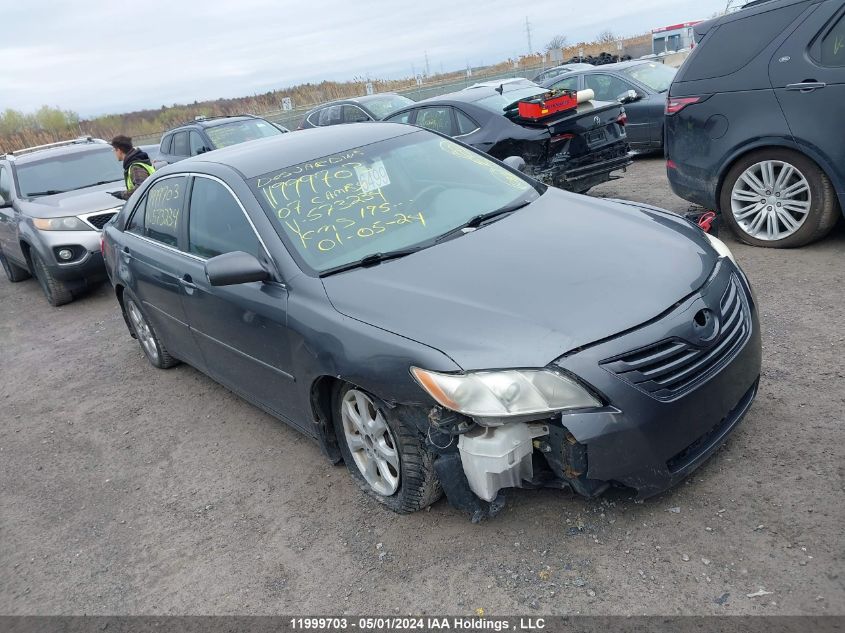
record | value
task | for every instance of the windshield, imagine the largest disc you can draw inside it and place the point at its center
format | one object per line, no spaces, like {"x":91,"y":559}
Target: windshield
{"x":236,"y":132}
{"x":499,"y":102}
{"x":656,"y":76}
{"x":70,"y":171}
{"x":382,"y":106}
{"x":391,"y":195}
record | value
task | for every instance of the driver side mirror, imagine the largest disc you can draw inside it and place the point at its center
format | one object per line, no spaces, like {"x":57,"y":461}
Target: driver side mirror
{"x":230,"y":269}
{"x":629,"y":96}
{"x":515,"y":162}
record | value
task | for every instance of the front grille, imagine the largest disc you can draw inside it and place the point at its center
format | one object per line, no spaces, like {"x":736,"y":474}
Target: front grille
{"x":672,"y":367}
{"x":101,"y":219}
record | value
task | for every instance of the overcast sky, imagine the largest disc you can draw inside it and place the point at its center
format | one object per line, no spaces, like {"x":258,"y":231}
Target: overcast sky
{"x":100,"y":56}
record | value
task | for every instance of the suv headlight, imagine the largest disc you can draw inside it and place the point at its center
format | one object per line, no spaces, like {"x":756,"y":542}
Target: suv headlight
{"x":71,"y":223}
{"x":508,"y":393}
{"x":720,"y":247}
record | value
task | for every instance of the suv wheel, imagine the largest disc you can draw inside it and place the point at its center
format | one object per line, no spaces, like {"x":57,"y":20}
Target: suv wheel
{"x":14,"y":273}
{"x":386,"y":456}
{"x":778,"y":198}
{"x":153,"y":348}
{"x":55,"y":290}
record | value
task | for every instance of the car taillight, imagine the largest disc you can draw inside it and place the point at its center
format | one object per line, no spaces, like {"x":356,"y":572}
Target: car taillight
{"x":676,"y":104}
{"x":622,"y":119}
{"x":670,"y":164}
{"x":102,"y":244}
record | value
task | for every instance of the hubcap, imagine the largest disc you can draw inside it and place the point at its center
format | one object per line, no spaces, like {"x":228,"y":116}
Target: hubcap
{"x":142,"y":330}
{"x":771,"y":200}
{"x":370,"y":441}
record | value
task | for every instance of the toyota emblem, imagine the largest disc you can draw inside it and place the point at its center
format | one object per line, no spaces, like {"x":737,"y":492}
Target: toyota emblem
{"x":596,"y":121}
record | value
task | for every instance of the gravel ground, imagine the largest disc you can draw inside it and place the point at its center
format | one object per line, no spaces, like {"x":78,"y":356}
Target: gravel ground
{"x":131,"y":490}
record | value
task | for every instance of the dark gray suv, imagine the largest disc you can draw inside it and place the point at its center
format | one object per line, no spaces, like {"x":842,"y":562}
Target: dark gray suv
{"x":54,"y":202}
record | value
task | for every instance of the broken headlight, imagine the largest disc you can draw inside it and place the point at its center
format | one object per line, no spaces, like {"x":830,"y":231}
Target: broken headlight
{"x":502,"y":394}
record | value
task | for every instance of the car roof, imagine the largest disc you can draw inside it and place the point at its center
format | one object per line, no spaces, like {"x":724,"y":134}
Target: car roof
{"x":260,"y":156}
{"x":213,"y":121}
{"x":362,"y":100}
{"x":52,"y":152}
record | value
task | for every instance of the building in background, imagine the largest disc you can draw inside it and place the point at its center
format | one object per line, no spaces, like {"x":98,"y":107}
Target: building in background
{"x":672,"y":38}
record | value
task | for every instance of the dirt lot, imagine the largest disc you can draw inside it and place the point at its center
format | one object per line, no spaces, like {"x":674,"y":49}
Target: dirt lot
{"x":131,"y":490}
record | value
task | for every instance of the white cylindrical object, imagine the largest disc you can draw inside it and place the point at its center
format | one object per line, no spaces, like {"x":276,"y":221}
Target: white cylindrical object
{"x":586,"y":95}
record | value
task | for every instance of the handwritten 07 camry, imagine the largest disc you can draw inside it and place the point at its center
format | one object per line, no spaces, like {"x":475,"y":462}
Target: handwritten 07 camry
{"x":437,"y":320}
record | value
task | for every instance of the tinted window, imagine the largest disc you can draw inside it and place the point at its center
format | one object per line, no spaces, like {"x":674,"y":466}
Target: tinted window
{"x":570,"y":83}
{"x":437,"y":119}
{"x":833,"y":45}
{"x":136,"y":222}
{"x":465,"y":124}
{"x":166,"y":142}
{"x":197,"y":145}
{"x":242,"y":131}
{"x":404,"y":117}
{"x":656,"y":76}
{"x":354,"y":114}
{"x":5,"y":183}
{"x":163,"y":207}
{"x":180,"y":144}
{"x":340,"y":208}
{"x":330,"y":115}
{"x":216,"y":223}
{"x":606,"y":87}
{"x":64,"y":172}
{"x":731,"y":45}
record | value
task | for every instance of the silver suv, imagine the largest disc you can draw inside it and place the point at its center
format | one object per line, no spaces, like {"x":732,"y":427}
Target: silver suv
{"x":54,"y":201}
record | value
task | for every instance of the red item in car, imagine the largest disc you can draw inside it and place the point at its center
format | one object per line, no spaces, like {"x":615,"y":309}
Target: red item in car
{"x":547,"y":104}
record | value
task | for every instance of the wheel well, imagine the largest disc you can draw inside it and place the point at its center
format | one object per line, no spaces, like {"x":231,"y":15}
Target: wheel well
{"x":118,"y":291}
{"x":25,"y":249}
{"x":322,"y":394}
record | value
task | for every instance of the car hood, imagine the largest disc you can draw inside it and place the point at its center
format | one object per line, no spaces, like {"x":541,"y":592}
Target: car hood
{"x":78,"y":202}
{"x":566,"y":271}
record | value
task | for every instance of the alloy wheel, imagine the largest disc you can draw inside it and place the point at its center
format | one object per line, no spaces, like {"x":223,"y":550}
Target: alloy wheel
{"x":771,"y":200}
{"x":370,"y":441}
{"x":142,"y":330}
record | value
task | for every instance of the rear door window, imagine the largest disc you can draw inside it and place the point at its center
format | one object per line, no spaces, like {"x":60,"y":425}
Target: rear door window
{"x":216,"y":222}
{"x":161,"y":211}
{"x":330,"y":115}
{"x":180,"y":144}
{"x":404,"y":117}
{"x":833,"y":45}
{"x":437,"y":119}
{"x":166,"y":143}
{"x":354,"y":114}
{"x":197,"y":144}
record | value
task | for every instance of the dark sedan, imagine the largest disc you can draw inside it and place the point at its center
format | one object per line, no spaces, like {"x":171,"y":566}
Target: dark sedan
{"x":437,"y":320}
{"x":354,"y":110}
{"x":645,"y":106}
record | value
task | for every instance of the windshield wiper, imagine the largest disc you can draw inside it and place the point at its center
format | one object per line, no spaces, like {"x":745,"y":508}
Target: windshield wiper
{"x":484,"y":218}
{"x":49,"y":192}
{"x":94,"y":184}
{"x":371,"y":260}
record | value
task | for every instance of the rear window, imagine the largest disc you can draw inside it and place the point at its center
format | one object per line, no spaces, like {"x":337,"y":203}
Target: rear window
{"x":731,"y":45}
{"x":237,"y":132}
{"x":656,"y":76}
{"x":499,"y":102}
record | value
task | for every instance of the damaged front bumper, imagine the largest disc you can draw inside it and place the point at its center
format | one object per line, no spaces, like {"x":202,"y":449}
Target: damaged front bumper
{"x":660,"y":422}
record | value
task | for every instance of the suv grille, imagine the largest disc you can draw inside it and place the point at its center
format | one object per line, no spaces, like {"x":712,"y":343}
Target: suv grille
{"x":670,"y":368}
{"x":101,"y":219}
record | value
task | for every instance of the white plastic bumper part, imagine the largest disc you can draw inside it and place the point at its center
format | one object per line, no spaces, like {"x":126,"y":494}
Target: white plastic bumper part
{"x":499,"y":457}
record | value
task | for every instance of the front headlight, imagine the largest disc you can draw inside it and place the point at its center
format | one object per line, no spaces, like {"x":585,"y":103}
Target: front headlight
{"x":71,"y":223}
{"x":502,"y":394}
{"x":720,"y":247}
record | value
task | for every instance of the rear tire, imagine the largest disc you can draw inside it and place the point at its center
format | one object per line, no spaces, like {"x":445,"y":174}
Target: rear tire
{"x":390,"y":461}
{"x":151,"y":345}
{"x":55,"y":290}
{"x":778,"y":212}
{"x":14,"y":273}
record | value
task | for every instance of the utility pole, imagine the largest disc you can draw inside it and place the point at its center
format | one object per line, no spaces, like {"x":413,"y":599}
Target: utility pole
{"x":427,"y":69}
{"x":528,"y":35}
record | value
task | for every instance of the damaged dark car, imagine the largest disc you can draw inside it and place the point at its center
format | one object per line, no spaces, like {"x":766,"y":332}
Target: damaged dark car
{"x":574,"y":150}
{"x":437,"y":320}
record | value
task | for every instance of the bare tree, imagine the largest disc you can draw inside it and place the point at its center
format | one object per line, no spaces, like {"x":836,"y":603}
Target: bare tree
{"x":606,"y":37}
{"x":558,"y":41}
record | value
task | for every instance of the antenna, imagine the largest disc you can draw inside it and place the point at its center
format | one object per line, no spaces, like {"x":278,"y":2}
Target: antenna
{"x":528,"y":35}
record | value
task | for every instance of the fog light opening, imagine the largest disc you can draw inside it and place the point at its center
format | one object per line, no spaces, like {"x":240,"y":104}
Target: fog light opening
{"x":65,"y":254}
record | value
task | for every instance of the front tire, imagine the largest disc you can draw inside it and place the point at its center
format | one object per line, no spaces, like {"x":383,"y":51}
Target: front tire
{"x":151,"y":345}
{"x":385,"y":455}
{"x":778,"y":198}
{"x":56,"y":291}
{"x":14,"y":273}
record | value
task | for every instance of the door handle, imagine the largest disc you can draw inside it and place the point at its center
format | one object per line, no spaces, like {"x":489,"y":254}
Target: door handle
{"x":187,"y":282}
{"x":806,"y":86}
